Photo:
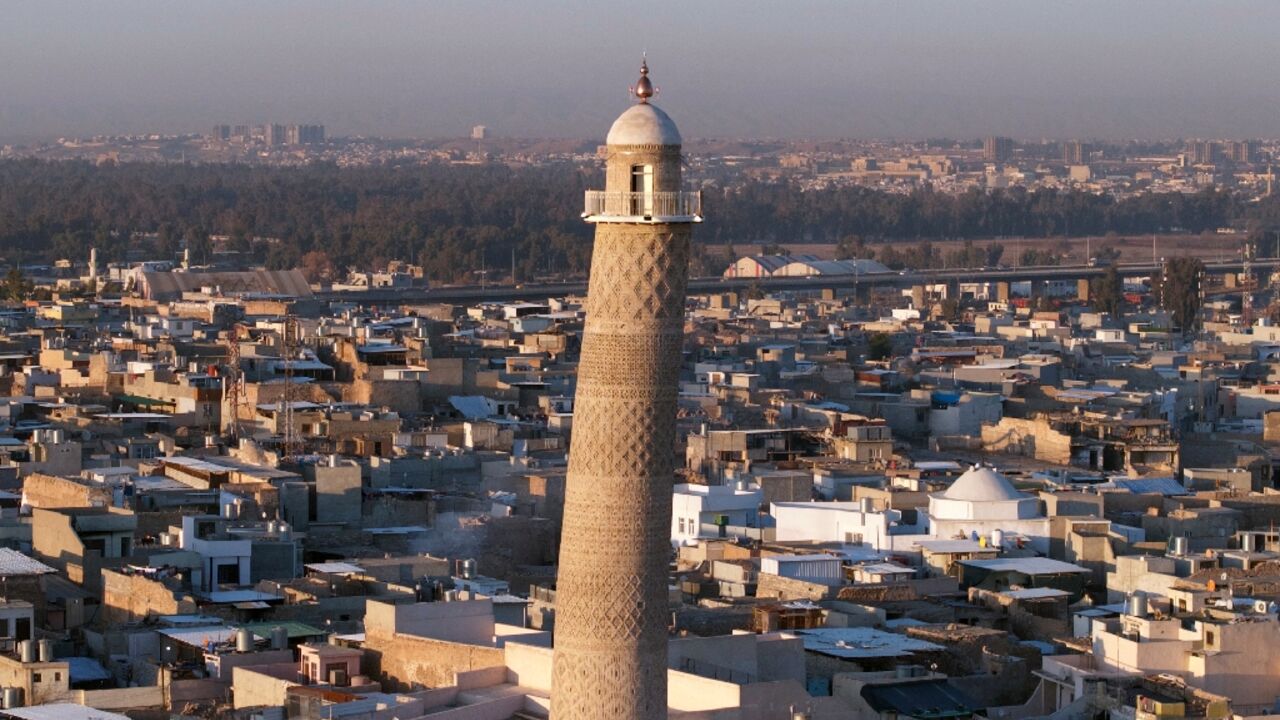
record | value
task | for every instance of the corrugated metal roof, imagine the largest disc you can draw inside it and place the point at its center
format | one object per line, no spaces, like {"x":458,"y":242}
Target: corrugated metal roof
{"x":1157,"y":485}
{"x":13,"y":562}
{"x":472,"y":407}
{"x":292,"y":628}
{"x":235,"y":596}
{"x":200,"y":636}
{"x":171,"y":285}
{"x":932,"y":698}
{"x":1026,"y":565}
{"x":336,"y":568}
{"x":1035,"y":593}
{"x":83,"y":669}
{"x":862,"y":642}
{"x":953,"y":546}
{"x":61,"y":711}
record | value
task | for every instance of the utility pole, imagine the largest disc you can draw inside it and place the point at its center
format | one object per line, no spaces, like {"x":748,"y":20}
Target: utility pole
{"x":1246,"y":299}
{"x":233,"y":383}
{"x":287,"y":398}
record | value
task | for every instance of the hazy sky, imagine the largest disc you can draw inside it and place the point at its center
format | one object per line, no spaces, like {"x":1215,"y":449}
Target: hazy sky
{"x":726,"y":68}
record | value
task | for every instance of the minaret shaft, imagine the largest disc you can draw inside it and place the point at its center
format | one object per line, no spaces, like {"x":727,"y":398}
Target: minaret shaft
{"x":611,"y":592}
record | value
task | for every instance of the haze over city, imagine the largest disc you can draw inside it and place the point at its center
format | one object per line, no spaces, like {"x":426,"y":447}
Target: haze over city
{"x":639,"y":361}
{"x":1092,"y":69}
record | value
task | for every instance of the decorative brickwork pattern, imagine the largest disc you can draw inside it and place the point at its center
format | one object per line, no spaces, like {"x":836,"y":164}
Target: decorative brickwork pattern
{"x":611,"y":597}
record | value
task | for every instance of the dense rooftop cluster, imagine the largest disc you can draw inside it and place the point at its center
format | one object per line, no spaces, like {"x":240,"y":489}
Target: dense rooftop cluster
{"x":232,"y":493}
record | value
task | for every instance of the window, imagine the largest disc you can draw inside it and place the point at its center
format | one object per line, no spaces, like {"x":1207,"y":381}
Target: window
{"x":681,"y":525}
{"x":57,"y":677}
{"x":1209,"y":638}
{"x":228,"y":574}
{"x":642,"y":183}
{"x":35,"y":678}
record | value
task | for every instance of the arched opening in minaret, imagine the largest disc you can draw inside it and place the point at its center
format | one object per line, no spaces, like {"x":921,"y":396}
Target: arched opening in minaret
{"x":642,"y":190}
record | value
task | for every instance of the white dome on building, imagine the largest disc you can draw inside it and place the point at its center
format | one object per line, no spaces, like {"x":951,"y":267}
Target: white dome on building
{"x":643,"y":124}
{"x":982,"y":494}
{"x":982,"y":484}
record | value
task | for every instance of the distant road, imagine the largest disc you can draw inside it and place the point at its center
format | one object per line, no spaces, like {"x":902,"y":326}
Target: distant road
{"x":703,"y":285}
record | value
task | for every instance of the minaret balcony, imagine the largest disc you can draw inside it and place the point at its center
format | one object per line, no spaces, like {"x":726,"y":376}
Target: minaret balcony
{"x":681,"y":206}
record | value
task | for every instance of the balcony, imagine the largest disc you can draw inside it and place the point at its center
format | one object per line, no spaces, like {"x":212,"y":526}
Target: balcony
{"x":641,"y":207}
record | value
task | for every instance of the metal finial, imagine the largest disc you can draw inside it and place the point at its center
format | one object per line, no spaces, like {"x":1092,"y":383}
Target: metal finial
{"x":644,"y":88}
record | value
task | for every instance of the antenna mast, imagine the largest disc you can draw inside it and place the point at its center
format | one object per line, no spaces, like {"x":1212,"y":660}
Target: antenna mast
{"x":233,"y":386}
{"x":290,"y":447}
{"x":1246,"y":299}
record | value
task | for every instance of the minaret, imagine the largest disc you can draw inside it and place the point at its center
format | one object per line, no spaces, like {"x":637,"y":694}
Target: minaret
{"x":611,"y":589}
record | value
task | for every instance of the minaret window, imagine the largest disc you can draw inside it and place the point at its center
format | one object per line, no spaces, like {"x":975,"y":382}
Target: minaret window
{"x":642,"y":189}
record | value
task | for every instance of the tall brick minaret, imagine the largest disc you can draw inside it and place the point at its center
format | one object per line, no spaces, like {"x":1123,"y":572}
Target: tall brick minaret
{"x":611,"y":592}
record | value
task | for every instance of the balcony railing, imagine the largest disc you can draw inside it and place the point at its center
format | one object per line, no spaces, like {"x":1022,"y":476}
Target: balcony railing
{"x":678,"y":206}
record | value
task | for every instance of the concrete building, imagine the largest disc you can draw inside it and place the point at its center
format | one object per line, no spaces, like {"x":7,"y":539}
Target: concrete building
{"x":708,"y":510}
{"x":982,"y":503}
{"x":997,"y":149}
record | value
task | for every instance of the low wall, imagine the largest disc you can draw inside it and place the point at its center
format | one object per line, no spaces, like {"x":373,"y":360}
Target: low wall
{"x":120,"y":698}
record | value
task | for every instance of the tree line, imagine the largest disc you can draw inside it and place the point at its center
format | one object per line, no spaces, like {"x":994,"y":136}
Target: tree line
{"x":457,"y":220}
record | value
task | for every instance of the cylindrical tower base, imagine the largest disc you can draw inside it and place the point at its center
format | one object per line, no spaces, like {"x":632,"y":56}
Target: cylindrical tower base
{"x":611,"y":594}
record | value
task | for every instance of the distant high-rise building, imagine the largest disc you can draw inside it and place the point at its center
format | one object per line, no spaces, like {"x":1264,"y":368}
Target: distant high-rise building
{"x":304,"y":135}
{"x":1240,"y":151}
{"x":273,"y":134}
{"x":220,"y":132}
{"x":1204,"y":152}
{"x":997,"y":149}
{"x":479,"y":132}
{"x":242,"y":132}
{"x":1074,"y":152}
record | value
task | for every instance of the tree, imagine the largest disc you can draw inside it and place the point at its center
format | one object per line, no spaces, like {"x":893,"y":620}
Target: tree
{"x":1032,"y":257}
{"x":1108,"y":292}
{"x":317,"y":266}
{"x":850,"y":247}
{"x":1179,"y":291}
{"x":1107,"y":253}
{"x":16,"y":288}
{"x":197,"y":242}
{"x":995,"y":251}
{"x":879,"y":346}
{"x":949,"y":309}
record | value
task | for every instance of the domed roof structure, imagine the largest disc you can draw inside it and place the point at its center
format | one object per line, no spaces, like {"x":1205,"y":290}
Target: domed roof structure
{"x":642,"y":123}
{"x":982,"y":484}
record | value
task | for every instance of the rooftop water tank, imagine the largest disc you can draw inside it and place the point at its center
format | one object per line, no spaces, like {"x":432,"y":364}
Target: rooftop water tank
{"x":1137,"y":605}
{"x":279,"y":638}
{"x":244,"y":640}
{"x":10,"y":697}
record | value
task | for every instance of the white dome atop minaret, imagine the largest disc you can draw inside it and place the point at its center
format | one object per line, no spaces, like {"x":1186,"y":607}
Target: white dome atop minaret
{"x":643,"y":123}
